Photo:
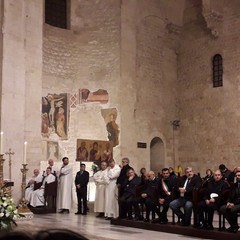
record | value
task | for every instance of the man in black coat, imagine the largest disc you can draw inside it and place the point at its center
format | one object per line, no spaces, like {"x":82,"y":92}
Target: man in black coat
{"x":128,"y":198}
{"x":123,"y":174}
{"x":164,"y":194}
{"x":232,"y":208}
{"x":211,"y":197}
{"x":81,"y":182}
{"x":185,"y":188}
{"x":149,"y":195}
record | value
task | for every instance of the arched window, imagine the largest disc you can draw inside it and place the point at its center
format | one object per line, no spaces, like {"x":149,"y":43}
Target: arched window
{"x":56,"y":13}
{"x":217,"y":63}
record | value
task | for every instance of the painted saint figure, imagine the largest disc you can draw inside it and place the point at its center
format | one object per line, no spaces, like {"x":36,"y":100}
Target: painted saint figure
{"x":82,"y":153}
{"x":60,"y":122}
{"x":113,"y":130}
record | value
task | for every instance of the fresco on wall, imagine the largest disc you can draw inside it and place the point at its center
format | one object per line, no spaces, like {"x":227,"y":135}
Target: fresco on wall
{"x":94,"y":151}
{"x":110,"y":116}
{"x":86,"y":96}
{"x":55,"y":115}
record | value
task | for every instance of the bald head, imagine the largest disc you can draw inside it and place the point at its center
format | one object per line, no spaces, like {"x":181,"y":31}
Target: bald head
{"x":151,"y":175}
{"x":217,"y":175}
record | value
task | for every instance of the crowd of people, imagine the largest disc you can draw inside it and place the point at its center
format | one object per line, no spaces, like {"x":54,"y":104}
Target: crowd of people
{"x":121,"y":193}
{"x":64,"y":178}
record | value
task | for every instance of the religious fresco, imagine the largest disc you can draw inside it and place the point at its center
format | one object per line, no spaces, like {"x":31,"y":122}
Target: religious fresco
{"x":94,"y":151}
{"x":110,"y":116}
{"x":55,"y":115}
{"x":86,"y":96}
{"x":52,"y":151}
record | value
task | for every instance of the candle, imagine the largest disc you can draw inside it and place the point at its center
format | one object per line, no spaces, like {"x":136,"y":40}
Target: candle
{"x":25,"y":153}
{"x":1,"y":144}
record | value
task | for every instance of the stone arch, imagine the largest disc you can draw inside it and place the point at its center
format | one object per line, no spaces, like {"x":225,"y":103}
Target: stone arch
{"x":157,"y":154}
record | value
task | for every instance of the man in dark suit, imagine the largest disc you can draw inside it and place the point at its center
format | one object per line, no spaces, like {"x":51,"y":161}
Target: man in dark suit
{"x":211,"y":200}
{"x":123,"y":174}
{"x":185,"y":188}
{"x":129,"y":199}
{"x":81,"y":182}
{"x":232,"y":208}
{"x":165,"y":186}
{"x":149,"y":195}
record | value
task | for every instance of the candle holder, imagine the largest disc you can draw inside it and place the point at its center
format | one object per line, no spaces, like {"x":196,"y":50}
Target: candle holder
{"x":1,"y":170}
{"x":23,"y":202}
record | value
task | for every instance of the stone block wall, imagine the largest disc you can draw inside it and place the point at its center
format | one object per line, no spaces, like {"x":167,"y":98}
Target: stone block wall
{"x":85,"y":56}
{"x":209,"y":132}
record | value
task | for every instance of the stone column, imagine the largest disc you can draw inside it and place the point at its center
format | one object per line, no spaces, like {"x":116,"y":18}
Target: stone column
{"x":21,"y":81}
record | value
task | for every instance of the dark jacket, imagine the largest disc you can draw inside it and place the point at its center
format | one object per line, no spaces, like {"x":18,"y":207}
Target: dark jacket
{"x":123,"y":175}
{"x":129,"y":187}
{"x":195,"y":182}
{"x":150,"y":185}
{"x":234,"y":196}
{"x":215,"y":187}
{"x":83,"y":180}
{"x":161,"y":193}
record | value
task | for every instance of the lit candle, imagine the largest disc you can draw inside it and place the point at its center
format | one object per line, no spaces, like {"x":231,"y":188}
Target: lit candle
{"x":1,"y":144}
{"x":25,"y":153}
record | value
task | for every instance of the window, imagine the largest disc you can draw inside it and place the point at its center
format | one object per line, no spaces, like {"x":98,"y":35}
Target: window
{"x":217,"y":71}
{"x":56,"y":13}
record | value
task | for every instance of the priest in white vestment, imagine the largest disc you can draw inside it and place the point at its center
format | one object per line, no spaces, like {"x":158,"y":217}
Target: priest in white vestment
{"x":111,"y":193}
{"x":37,"y":177}
{"x":64,"y":194}
{"x":101,"y":180}
{"x":37,"y":197}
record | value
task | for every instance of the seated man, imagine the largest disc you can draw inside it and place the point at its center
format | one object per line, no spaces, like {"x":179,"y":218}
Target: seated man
{"x":232,"y":208}
{"x":37,"y":197}
{"x":164,"y":194}
{"x":210,"y":200}
{"x":30,"y":184}
{"x":185,"y":186}
{"x":147,"y":195}
{"x":128,"y":198}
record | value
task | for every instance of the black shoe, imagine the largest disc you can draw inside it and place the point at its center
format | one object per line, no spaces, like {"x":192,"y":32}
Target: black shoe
{"x":146,"y":220}
{"x":77,"y":213}
{"x":201,"y":226}
{"x":61,"y":211}
{"x":156,"y":220}
{"x":235,"y":230}
{"x":84,"y":213}
{"x":185,"y":224}
{"x":164,"y":221}
{"x":210,"y":227}
{"x":139,"y":218}
{"x":232,"y":229}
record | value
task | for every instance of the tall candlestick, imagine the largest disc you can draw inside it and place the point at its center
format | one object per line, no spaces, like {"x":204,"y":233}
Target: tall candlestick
{"x":1,"y":144}
{"x":25,"y":153}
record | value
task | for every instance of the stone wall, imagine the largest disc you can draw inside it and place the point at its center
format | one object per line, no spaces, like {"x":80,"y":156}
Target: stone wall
{"x":129,"y":49}
{"x":209,"y":131}
{"x":85,"y":56}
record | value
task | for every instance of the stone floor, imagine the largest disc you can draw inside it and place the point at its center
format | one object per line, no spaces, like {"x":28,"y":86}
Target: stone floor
{"x":91,"y":227}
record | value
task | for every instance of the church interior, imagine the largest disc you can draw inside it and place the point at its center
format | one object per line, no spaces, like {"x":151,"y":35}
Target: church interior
{"x":156,"y":79}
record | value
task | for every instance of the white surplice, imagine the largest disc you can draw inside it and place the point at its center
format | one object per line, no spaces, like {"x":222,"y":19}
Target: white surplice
{"x":111,"y":192}
{"x":30,"y":186}
{"x":64,"y":194}
{"x":37,"y":197}
{"x":101,"y":180}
